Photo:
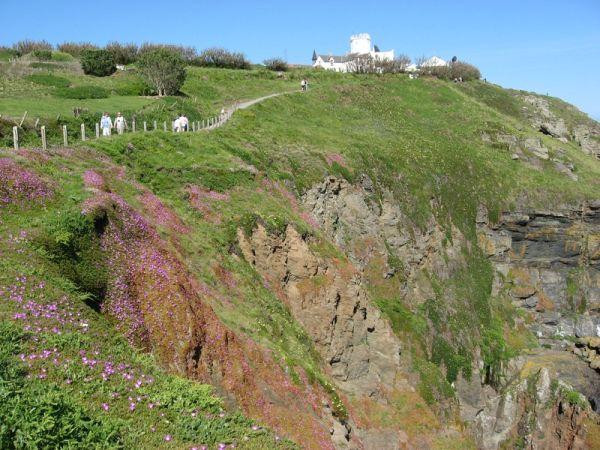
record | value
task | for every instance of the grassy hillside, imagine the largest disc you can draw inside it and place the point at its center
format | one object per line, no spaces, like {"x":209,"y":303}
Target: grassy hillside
{"x":421,"y":140}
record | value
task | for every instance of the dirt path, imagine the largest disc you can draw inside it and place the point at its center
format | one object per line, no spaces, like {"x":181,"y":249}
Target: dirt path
{"x":224,"y":118}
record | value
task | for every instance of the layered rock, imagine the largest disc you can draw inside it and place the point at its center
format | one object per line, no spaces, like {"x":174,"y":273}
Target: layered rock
{"x":548,"y":262}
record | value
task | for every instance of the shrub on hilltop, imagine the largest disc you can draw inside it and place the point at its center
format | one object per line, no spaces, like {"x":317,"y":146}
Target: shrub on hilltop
{"x":76,"y":49}
{"x":42,"y":55}
{"x":123,"y":53}
{"x":188,"y":54}
{"x":163,"y":69}
{"x":100,"y":63}
{"x":28,"y":46}
{"x":221,"y":58}
{"x":276,"y":64}
{"x":454,"y":71}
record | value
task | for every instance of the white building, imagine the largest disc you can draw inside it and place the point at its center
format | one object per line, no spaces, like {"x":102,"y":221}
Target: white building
{"x":360,"y":45}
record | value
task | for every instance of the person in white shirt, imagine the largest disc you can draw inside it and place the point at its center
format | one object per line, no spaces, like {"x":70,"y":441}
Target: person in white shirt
{"x":120,"y":123}
{"x":106,"y":124}
{"x":183,"y":123}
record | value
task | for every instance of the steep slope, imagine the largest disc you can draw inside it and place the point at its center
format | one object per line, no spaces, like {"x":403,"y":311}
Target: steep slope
{"x":355,"y":267}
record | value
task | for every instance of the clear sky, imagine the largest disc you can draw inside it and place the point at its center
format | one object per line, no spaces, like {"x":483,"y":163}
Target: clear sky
{"x":547,"y":46}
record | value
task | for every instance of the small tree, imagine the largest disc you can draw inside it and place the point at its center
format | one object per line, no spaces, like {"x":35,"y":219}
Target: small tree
{"x":98,"y":62}
{"x":163,"y":69}
{"x":276,"y":65}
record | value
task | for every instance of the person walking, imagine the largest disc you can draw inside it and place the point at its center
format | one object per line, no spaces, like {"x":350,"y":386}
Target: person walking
{"x":303,"y":85}
{"x":120,"y":123}
{"x":106,"y":124}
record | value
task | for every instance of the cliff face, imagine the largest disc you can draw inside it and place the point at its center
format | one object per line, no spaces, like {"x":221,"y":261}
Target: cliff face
{"x":545,"y":263}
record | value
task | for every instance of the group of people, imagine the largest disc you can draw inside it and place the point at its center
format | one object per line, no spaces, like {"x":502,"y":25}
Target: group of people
{"x":107,"y":124}
{"x":181,"y":123}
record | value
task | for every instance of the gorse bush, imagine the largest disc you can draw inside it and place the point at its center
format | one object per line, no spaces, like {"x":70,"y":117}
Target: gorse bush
{"x":83,"y":92}
{"x":47,"y":79}
{"x":163,"y":69}
{"x":76,"y":49}
{"x":100,"y":63}
{"x":276,"y":64}
{"x":123,"y":53}
{"x":29,"y":46}
{"x":219,"y":57}
{"x":42,"y":55}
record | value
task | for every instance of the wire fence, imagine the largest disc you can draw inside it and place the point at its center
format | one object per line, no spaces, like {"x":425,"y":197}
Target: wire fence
{"x":97,"y":132}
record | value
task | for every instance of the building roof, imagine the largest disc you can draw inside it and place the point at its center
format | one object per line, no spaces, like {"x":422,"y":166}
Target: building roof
{"x":336,"y":59}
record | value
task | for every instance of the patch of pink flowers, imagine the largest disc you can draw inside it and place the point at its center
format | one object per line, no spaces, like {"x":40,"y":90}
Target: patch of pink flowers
{"x":93,"y":180}
{"x":161,"y":214}
{"x":20,"y":186}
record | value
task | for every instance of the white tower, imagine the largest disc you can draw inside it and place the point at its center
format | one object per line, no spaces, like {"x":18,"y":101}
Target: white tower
{"x":360,"y":43}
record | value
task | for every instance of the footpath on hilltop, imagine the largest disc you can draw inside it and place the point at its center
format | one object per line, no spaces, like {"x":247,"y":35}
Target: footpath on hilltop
{"x":379,"y":262}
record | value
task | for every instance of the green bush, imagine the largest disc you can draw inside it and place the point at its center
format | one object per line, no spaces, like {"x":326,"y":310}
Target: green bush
{"x":61,"y":57}
{"x":163,"y":69}
{"x":83,"y":92}
{"x":42,"y":55}
{"x":47,"y":79}
{"x":219,"y":57}
{"x":75,"y":49}
{"x":133,"y":87}
{"x":276,"y":65}
{"x":100,"y":63}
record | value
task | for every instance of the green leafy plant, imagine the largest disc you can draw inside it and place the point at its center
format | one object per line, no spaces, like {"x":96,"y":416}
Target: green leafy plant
{"x":99,"y":63}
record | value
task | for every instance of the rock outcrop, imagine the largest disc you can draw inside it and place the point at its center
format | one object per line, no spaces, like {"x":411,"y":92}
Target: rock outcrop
{"x":327,"y":298}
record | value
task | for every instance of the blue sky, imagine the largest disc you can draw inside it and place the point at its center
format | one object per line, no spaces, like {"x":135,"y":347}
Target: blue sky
{"x":547,"y":46}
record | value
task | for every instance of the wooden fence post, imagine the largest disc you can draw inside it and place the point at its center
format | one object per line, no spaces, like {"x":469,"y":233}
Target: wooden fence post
{"x":133,"y":125}
{"x":43,"y":131}
{"x":145,"y":128}
{"x":194,"y":126}
{"x":83,"y":131}
{"x":16,"y":137}
{"x":155,"y":127}
{"x":97,"y":130}
{"x":65,"y":136}
{"x":165,"y":126}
